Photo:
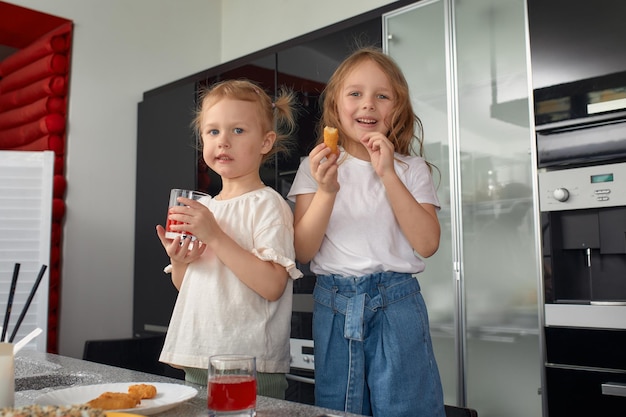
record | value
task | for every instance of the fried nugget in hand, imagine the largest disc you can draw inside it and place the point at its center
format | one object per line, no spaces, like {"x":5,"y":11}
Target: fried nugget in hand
{"x":331,"y":138}
{"x":142,"y":391}
{"x":114,"y":401}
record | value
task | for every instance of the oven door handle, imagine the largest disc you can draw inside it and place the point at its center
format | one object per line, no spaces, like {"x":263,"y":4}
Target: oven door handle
{"x":608,"y":303}
{"x":301,"y":379}
{"x":614,"y":388}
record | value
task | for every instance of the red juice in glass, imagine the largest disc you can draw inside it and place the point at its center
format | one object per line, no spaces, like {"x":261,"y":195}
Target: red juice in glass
{"x":232,"y":393}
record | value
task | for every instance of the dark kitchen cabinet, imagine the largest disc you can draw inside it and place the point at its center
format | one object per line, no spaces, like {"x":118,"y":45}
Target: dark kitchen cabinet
{"x":578,"y":393}
{"x":585,"y":372}
{"x":166,"y":159}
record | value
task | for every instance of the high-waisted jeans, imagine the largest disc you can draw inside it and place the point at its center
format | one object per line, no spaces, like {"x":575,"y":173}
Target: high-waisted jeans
{"x":373,"y":351}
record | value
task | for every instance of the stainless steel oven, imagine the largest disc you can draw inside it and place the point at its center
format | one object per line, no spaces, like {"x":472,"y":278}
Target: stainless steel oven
{"x":582,"y":199}
{"x":301,"y":377}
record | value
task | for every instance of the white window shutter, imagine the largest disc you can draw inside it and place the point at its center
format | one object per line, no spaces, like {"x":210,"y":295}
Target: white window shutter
{"x":25,"y":227}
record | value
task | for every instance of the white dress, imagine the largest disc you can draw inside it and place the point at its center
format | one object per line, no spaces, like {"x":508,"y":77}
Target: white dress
{"x":215,"y":312}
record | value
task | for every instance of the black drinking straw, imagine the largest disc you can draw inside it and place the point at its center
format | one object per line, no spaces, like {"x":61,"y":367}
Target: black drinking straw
{"x":28,"y":301}
{"x":7,"y":314}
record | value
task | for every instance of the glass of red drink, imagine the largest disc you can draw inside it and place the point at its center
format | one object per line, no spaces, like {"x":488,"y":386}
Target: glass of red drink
{"x":232,"y":386}
{"x":174,"y":194}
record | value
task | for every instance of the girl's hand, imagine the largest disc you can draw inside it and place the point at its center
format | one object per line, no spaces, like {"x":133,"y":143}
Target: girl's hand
{"x":197,"y":219}
{"x":380,"y":150}
{"x":180,"y":251}
{"x":323,"y":165}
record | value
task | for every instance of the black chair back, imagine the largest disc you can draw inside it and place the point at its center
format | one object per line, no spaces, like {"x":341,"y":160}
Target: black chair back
{"x":453,"y":411}
{"x":137,"y":353}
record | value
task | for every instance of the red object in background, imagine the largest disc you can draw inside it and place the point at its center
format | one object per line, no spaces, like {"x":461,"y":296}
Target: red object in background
{"x":27,"y":133}
{"x":55,"y":234}
{"x":53,"y":42}
{"x":56,"y":143}
{"x":55,"y":85}
{"x":59,"y":184}
{"x":55,"y":256}
{"x":59,"y":165}
{"x":58,"y":209}
{"x":55,"y":64}
{"x":21,"y":26}
{"x":32,"y":112}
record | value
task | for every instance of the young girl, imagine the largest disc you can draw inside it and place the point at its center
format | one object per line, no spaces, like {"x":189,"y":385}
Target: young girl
{"x":235,"y":281}
{"x":364,"y":219}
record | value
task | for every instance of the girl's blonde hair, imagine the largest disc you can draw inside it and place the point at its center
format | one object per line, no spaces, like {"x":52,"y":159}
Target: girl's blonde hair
{"x":279,"y":116}
{"x":404,"y":125}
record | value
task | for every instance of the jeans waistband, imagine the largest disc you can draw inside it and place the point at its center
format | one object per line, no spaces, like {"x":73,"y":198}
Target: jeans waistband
{"x":358,"y":298}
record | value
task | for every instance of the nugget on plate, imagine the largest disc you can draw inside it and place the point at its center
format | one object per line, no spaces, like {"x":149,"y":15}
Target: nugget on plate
{"x":142,"y":391}
{"x":114,"y":401}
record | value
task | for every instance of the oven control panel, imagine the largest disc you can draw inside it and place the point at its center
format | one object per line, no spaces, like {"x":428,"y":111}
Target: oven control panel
{"x":302,"y":354}
{"x":581,"y":188}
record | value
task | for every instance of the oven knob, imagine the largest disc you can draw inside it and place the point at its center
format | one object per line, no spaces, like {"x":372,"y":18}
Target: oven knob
{"x":561,"y":194}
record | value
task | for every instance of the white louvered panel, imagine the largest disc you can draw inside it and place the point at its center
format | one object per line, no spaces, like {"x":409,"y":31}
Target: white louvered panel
{"x":25,"y":222}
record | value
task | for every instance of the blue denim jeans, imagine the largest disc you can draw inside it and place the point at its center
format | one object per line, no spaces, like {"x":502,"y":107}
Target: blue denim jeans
{"x":373,"y":351}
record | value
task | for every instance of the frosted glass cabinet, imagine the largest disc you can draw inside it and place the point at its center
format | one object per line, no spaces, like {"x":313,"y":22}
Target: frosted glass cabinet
{"x":466,"y":63}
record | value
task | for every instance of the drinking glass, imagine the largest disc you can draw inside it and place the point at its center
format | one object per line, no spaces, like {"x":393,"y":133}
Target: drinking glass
{"x":232,"y":386}
{"x":174,"y":194}
{"x":7,"y":375}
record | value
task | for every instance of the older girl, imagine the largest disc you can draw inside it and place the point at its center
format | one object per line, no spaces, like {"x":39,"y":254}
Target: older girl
{"x":365,"y":219}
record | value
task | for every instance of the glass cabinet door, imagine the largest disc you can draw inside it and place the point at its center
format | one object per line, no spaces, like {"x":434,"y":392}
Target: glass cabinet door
{"x":467,"y":69}
{"x":416,"y":39}
{"x":498,"y":237}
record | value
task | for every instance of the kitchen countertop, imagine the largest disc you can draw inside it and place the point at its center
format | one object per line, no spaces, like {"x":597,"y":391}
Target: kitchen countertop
{"x":37,"y":373}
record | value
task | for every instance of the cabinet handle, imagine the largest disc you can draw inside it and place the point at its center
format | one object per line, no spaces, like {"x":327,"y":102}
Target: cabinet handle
{"x":614,"y":388}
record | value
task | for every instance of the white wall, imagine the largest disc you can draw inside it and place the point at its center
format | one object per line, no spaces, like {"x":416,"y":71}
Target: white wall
{"x":268,"y":22}
{"x":122,"y":48}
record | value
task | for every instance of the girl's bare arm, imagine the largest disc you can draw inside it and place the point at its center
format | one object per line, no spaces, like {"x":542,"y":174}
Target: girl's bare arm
{"x":312,"y":212}
{"x":311,"y":217}
{"x":418,"y":222}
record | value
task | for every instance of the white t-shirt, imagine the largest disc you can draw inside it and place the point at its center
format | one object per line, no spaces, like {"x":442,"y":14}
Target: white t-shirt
{"x":363,"y":236}
{"x":215,"y":312}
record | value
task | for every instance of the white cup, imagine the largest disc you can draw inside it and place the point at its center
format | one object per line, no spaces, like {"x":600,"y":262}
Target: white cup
{"x":174,"y":194}
{"x":7,"y":375}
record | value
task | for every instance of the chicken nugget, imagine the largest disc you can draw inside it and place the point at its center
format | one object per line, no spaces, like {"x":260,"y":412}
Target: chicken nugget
{"x":114,"y":401}
{"x":142,"y":391}
{"x":331,"y":137}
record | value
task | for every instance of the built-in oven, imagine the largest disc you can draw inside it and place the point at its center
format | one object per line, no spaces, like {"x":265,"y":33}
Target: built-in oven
{"x":582,"y":199}
{"x":301,"y":376}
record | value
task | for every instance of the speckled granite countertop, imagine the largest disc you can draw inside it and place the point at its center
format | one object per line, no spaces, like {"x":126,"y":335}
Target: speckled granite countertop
{"x":37,"y":373}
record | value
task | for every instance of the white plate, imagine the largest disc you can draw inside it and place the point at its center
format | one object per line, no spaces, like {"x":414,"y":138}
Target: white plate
{"x":168,"y":396}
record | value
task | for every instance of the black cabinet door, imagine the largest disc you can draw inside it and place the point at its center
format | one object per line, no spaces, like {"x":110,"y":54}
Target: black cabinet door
{"x":579,"y":393}
{"x":166,"y":159}
{"x":585,"y":372}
